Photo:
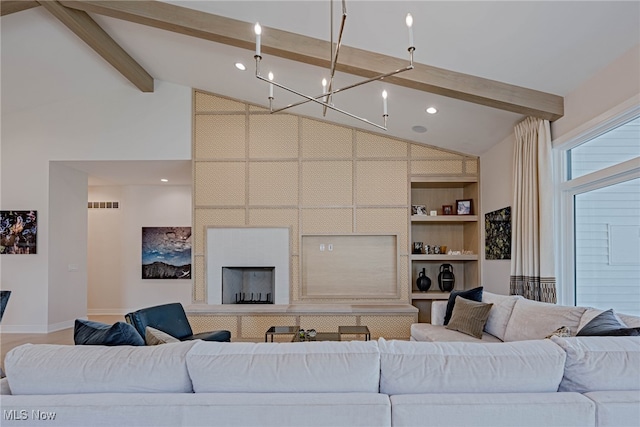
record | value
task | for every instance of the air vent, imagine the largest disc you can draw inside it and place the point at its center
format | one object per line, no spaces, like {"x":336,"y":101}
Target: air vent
{"x":103,"y":205}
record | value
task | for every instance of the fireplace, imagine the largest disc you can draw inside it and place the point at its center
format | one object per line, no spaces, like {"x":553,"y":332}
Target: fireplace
{"x":253,"y":249}
{"x":248,"y":285}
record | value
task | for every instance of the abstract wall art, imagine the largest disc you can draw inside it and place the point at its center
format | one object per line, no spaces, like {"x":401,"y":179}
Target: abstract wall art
{"x":166,"y":252}
{"x":18,"y":232}
{"x":498,"y":234}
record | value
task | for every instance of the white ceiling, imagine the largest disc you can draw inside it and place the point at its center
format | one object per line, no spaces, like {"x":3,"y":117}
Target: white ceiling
{"x":550,"y":46}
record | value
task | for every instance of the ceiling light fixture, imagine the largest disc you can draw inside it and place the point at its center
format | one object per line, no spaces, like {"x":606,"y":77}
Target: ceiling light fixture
{"x":432,"y":110}
{"x":326,"y":97}
{"x":240,"y":66}
{"x":164,"y":180}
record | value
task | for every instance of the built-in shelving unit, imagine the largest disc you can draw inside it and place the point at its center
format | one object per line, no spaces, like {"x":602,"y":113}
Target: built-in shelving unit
{"x":459,"y":233}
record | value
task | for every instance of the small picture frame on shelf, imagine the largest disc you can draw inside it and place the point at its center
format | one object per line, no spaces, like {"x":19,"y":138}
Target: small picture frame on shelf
{"x":464,"y":207}
{"x":418,"y":210}
{"x":447,"y":209}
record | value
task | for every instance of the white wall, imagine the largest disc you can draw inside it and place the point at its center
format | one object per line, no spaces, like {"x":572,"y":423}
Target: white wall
{"x":114,"y":122}
{"x":67,"y":246}
{"x":612,"y":86}
{"x":115,"y":247}
{"x":496,"y":192}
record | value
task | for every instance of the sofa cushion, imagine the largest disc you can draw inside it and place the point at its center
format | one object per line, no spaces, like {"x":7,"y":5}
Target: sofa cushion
{"x":462,"y":367}
{"x":500,"y":312}
{"x":87,"y":332}
{"x":469,"y":317}
{"x":607,"y":323}
{"x":63,"y":369}
{"x":616,"y":408}
{"x":428,"y":332}
{"x":474,"y":294}
{"x":600,"y":363}
{"x":493,"y":410}
{"x":308,"y":367}
{"x":153,"y":336}
{"x":533,"y":320}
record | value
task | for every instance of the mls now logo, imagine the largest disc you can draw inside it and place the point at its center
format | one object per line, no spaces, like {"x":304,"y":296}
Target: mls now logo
{"x":23,"y":414}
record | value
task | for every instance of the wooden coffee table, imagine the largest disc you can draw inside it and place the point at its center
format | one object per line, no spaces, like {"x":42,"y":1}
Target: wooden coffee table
{"x":280,"y":330}
{"x":355,"y":330}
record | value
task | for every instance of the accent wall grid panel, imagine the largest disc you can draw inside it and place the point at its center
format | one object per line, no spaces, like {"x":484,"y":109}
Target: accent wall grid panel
{"x":256,"y":169}
{"x":356,"y":266}
{"x":166,"y":252}
{"x":18,"y":232}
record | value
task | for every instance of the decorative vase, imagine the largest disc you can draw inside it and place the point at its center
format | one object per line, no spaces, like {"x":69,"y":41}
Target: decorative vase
{"x":446,"y":278}
{"x":423,"y":282}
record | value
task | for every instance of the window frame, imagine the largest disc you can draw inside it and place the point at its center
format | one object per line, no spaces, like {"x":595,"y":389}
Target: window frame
{"x":567,"y":189}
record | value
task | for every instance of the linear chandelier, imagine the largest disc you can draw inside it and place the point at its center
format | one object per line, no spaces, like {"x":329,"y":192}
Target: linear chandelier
{"x":326,"y":97}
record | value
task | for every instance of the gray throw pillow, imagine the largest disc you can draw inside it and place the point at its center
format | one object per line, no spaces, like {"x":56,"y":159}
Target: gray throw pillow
{"x":474,"y":294}
{"x":469,"y":317}
{"x":606,"y":324}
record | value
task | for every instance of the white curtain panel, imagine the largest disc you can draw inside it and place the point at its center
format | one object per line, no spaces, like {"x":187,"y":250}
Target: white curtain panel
{"x":532,"y":254}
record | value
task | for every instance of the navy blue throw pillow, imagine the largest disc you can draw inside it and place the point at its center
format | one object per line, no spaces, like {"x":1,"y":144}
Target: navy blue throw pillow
{"x":87,"y":332}
{"x":474,"y":294}
{"x":606,"y":324}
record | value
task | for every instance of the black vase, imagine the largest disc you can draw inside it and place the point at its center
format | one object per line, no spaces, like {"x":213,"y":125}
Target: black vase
{"x":423,"y":282}
{"x":446,"y":279}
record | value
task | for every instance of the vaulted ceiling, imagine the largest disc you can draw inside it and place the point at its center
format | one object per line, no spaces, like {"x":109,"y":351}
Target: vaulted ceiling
{"x":483,"y":65}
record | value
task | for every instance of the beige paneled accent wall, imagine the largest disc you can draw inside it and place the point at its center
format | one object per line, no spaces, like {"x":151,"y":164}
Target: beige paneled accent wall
{"x":252,"y":168}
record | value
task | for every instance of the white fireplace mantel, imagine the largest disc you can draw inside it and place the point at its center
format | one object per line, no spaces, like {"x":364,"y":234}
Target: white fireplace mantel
{"x":247,"y":247}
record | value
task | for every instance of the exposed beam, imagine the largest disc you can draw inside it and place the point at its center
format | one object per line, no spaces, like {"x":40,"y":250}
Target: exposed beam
{"x":8,"y":7}
{"x":92,"y":34}
{"x":315,"y":52}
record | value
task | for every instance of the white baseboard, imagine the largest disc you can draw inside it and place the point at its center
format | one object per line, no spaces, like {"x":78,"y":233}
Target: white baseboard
{"x":108,"y":311}
{"x":37,"y":329}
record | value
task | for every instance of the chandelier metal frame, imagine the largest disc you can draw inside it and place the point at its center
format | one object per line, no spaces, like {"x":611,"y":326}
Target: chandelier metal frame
{"x":326,"y":97}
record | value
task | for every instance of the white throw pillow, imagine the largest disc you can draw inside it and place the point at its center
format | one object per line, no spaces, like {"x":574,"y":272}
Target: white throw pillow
{"x":533,"y":320}
{"x":153,"y":336}
{"x":500,"y":312}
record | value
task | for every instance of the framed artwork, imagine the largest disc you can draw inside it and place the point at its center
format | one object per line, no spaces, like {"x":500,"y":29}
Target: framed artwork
{"x":166,"y":252}
{"x":464,"y":207}
{"x":18,"y":232}
{"x":418,"y":210}
{"x":498,"y":234}
{"x":447,"y":209}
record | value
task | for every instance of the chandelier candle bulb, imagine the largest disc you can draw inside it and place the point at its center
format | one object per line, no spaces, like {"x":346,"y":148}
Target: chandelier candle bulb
{"x":258,"y":31}
{"x":270,"y":85}
{"x":384,"y":103}
{"x":409,"y":21}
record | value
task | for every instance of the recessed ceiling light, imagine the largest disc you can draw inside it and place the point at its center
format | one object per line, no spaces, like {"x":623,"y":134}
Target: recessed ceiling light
{"x":164,"y":180}
{"x":431,"y":110}
{"x":419,"y":129}
{"x":240,"y":66}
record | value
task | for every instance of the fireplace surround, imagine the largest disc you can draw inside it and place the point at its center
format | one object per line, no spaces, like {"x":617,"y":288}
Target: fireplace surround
{"x":251,"y":249}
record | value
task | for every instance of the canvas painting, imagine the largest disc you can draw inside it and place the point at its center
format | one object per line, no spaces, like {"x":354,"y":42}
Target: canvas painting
{"x":498,"y":234}
{"x":18,"y":232}
{"x":166,"y":252}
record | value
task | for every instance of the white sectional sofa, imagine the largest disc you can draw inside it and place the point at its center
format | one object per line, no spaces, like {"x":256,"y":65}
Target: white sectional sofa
{"x":513,"y":318}
{"x":374,"y":383}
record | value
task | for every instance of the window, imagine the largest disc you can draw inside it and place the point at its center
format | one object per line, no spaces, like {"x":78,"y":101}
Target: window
{"x":600,"y":216}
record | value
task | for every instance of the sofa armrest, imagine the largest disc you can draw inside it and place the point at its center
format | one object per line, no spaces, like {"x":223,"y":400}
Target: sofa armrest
{"x":438,"y":309}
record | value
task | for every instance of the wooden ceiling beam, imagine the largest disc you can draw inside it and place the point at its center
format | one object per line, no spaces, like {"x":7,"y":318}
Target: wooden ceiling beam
{"x":8,"y":7}
{"x":92,"y":34}
{"x":313,"y":51}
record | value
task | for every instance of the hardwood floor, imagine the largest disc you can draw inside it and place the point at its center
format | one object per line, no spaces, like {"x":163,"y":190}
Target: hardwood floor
{"x":65,"y":336}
